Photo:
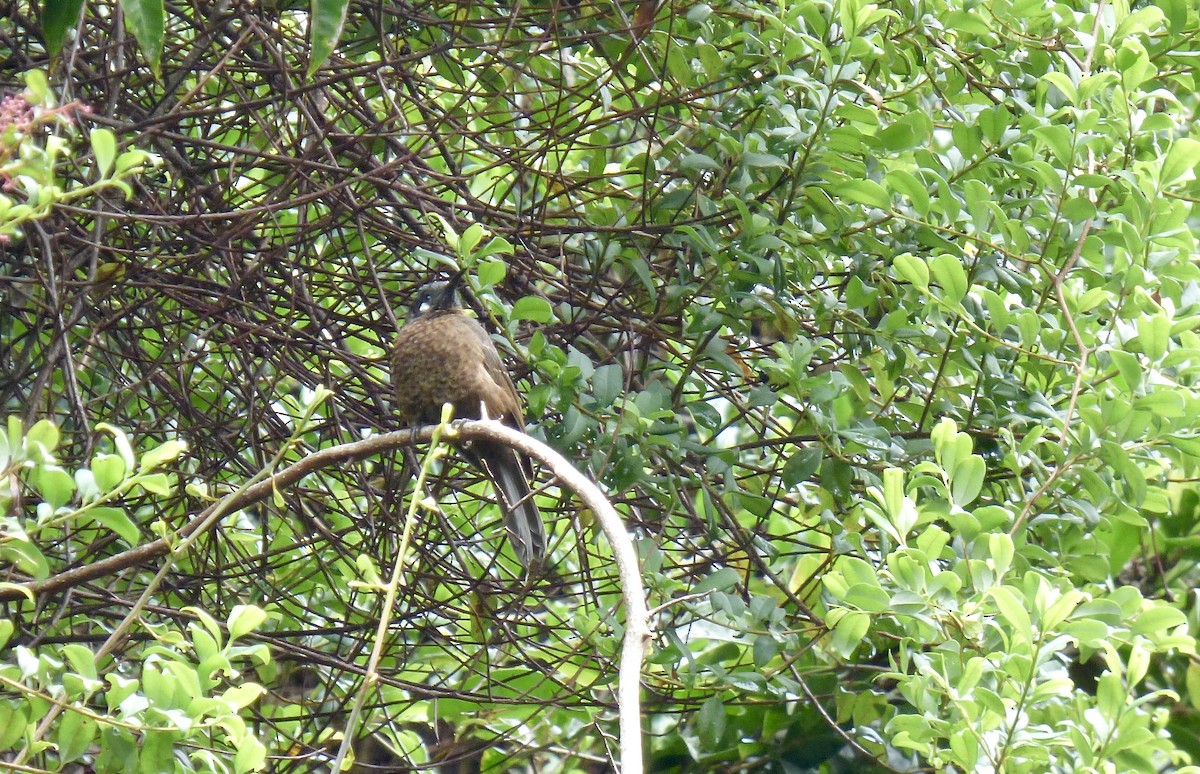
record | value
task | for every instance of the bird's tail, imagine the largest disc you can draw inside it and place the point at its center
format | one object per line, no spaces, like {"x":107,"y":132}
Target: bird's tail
{"x":505,"y":468}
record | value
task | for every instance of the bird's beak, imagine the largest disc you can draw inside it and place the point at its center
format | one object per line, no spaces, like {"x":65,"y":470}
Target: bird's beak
{"x":454,"y":281}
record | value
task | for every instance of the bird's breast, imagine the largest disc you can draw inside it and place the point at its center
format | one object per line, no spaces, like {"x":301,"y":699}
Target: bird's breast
{"x":437,"y":359}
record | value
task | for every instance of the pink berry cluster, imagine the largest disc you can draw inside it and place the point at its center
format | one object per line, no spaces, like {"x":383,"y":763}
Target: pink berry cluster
{"x":18,"y":120}
{"x":15,"y":110}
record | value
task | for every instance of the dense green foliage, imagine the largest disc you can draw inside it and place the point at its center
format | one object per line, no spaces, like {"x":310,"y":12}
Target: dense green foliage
{"x":878,"y":322}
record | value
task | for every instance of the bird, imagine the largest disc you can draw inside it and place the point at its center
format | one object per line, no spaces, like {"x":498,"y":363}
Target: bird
{"x":443,"y":356}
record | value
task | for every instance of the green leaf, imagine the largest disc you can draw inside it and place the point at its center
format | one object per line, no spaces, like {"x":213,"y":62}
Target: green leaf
{"x":122,"y":186}
{"x":908,"y":131}
{"x":13,"y":719}
{"x":44,"y":433}
{"x":968,"y":139}
{"x":697,"y":162}
{"x":104,"y":147}
{"x":849,"y":632}
{"x":158,"y":747}
{"x":893,"y":492}
{"x":55,"y":485}
{"x":868,"y":598}
{"x":108,"y":470}
{"x":251,"y":754}
{"x":642,"y":269}
{"x":27,"y":557}
{"x":17,"y":588}
{"x":533,"y":308}
{"x":949,"y":445}
{"x":1157,"y":620}
{"x":243,"y":695}
{"x":949,"y":273}
{"x":156,"y":483}
{"x":1063,"y":83}
{"x":763,"y":161}
{"x":58,"y":18}
{"x":722,"y":579}
{"x":121,"y":441}
{"x":1001,"y":552}
{"x":857,"y":571}
{"x":993,"y":122}
{"x":14,"y":434}
{"x":964,"y":743}
{"x":1192,"y":681}
{"x":1061,"y":608}
{"x":966,"y":480}
{"x":907,"y":184}
{"x":1110,"y":695}
{"x":1166,"y":404}
{"x":1181,"y":161}
{"x":119,"y":689}
{"x":133,"y":160}
{"x":1012,"y":610}
{"x":327,"y":17}
{"x":74,"y":735}
{"x":37,"y":88}
{"x":765,"y":649}
{"x":1134,"y":63}
{"x":118,"y":521}
{"x":1078,"y":209}
{"x":607,"y":383}
{"x":161,"y":454}
{"x":912,"y":270}
{"x":710,"y":722}
{"x":81,"y":659}
{"x":1142,"y":20}
{"x":1129,"y":368}
{"x":207,"y":621}
{"x":1058,"y":139}
{"x":489,"y":273}
{"x":1188,"y":444}
{"x":469,"y":240}
{"x":245,"y":619}
{"x":1154,"y":333}
{"x":709,"y":55}
{"x":118,"y":751}
{"x":147,"y":21}
{"x":1176,"y":13}
{"x":801,"y":465}
{"x":866,"y":192}
{"x":1139,"y":662}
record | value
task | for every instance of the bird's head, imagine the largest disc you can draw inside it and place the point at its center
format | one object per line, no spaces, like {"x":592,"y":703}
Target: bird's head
{"x":437,"y":296}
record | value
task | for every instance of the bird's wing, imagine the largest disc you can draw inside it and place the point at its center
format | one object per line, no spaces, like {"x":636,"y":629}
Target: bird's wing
{"x":505,"y":404}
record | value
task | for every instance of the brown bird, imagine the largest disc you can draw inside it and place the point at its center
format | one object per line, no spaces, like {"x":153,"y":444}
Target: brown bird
{"x":443,"y":356}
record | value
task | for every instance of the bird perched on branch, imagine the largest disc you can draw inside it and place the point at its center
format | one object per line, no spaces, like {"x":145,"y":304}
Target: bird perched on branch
{"x":443,"y":356}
